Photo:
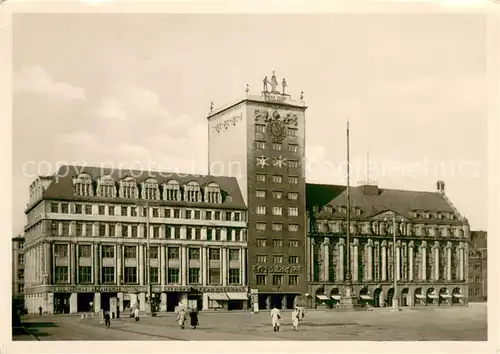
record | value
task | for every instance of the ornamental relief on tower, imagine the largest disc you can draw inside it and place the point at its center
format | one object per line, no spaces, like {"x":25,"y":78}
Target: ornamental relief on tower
{"x":269,"y":115}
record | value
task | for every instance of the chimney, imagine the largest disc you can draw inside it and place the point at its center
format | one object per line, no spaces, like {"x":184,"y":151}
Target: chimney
{"x":440,"y":186}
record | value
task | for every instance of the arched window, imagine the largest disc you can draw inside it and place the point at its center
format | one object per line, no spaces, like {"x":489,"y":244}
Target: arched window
{"x":106,"y":187}
{"x":82,"y":185}
{"x":171,"y":190}
{"x":192,"y":192}
{"x":128,"y":188}
{"x":212,"y":193}
{"x":150,"y":189}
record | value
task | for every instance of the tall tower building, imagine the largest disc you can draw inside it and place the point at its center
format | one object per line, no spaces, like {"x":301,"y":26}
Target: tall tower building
{"x":260,"y":140}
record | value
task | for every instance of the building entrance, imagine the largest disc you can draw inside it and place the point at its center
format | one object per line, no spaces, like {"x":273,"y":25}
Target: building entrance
{"x":173,"y":299}
{"x":85,"y":302}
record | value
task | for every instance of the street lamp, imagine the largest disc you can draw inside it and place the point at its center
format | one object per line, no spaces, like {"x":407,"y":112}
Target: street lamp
{"x":395,"y":298}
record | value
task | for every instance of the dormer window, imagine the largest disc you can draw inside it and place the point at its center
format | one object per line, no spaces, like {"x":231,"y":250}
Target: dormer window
{"x":171,"y":190}
{"x":192,"y":192}
{"x":150,"y":189}
{"x":213,"y":194}
{"x":82,"y":185}
{"x":106,"y":187}
{"x":329,"y":209}
{"x":128,"y":188}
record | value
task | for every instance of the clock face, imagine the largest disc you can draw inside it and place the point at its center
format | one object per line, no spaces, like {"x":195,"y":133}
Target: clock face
{"x":276,"y":130}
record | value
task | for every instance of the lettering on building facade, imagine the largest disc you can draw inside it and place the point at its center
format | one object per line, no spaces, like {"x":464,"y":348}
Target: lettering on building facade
{"x":264,"y":269}
{"x":218,"y":127}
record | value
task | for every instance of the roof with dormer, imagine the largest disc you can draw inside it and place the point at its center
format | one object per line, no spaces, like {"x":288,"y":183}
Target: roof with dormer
{"x":61,"y":187}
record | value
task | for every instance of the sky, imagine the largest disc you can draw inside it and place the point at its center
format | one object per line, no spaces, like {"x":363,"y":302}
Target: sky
{"x":134,"y":91}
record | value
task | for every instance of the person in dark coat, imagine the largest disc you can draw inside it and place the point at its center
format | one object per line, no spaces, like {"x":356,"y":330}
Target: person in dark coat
{"x":194,"y":318}
{"x":107,"y":320}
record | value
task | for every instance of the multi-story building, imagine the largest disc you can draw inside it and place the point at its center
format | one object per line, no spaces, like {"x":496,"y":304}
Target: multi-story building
{"x":89,"y":230}
{"x":260,"y":139}
{"x":18,"y":266}
{"x":429,"y":258}
{"x":478,"y":266}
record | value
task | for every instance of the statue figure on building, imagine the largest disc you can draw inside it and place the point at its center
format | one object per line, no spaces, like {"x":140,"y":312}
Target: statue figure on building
{"x":284,"y":85}
{"x":211,"y":106}
{"x":302,"y":96}
{"x":274,"y":83}
{"x":265,"y":82}
{"x":247,"y":89}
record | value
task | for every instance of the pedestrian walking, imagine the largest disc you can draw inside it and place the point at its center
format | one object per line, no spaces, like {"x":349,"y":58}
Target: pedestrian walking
{"x":181,"y":317}
{"x":107,"y":319}
{"x":295,"y":318}
{"x":275,"y":318}
{"x":40,"y":310}
{"x":302,"y":311}
{"x":194,"y":318}
{"x":136,"y":314}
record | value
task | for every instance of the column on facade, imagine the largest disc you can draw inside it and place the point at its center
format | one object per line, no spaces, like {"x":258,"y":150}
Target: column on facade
{"x":243,"y":266}
{"x":163,"y":266}
{"x":117,"y":264}
{"x":466,"y":258}
{"x":48,"y":263}
{"x":462,"y":261}
{"x":326,"y":260}
{"x":436,"y":260}
{"x":448,"y":261}
{"x":355,"y":260}
{"x":183,"y":265}
{"x":97,"y":256}
{"x":369,"y":259}
{"x":224,"y":266}
{"x":204,"y":266}
{"x":53,"y":262}
{"x":341,"y":255}
{"x":398,"y":261}
{"x":141,"y":263}
{"x":384,"y":261}
{"x":311,"y":258}
{"x":165,"y":257}
{"x":37,"y":262}
{"x":410,"y":261}
{"x":72,"y":260}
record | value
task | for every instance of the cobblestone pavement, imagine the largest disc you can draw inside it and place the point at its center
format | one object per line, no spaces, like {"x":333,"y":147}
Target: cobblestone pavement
{"x":468,"y":324}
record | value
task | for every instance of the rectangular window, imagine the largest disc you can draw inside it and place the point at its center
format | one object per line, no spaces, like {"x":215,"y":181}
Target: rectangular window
{"x":108,"y":275}
{"x":154,"y":275}
{"x":101,"y":210}
{"x":277,"y":243}
{"x":61,"y":250}
{"x":277,"y":210}
{"x":111,"y":209}
{"x":65,"y":228}
{"x":156,"y":231}
{"x":237,"y":216}
{"x":130,"y":252}
{"x":124,"y":211}
{"x":85,"y":275}
{"x":88,"y":229}
{"x":79,"y":228}
{"x":54,"y":207}
{"x":194,"y":253}
{"x":214,"y":276}
{"x":277,"y":279}
{"x":260,"y":226}
{"x":277,"y":259}
{"x":108,"y":251}
{"x":277,"y":227}
{"x":168,"y":213}
{"x":214,"y":254}
{"x":88,"y":209}
{"x":130,"y":275}
{"x":260,"y":279}
{"x":277,"y":146}
{"x":20,"y":288}
{"x":293,"y":211}
{"x":168,"y":231}
{"x":217,"y":215}
{"x":133,"y":211}
{"x":112,"y":230}
{"x":197,"y":214}
{"x":84,"y":251}
{"x":260,"y":145}
{"x":260,"y":194}
{"x":277,"y":195}
{"x":102,"y":230}
{"x":177,"y":214}
{"x":78,"y":209}
{"x":173,"y":276}
{"x":173,"y":253}
{"x":277,"y":179}
{"x":292,"y":147}
{"x":228,"y":216}
{"x":234,"y":276}
{"x":156,"y":212}
{"x":20,"y":258}
{"x":177,"y":232}
{"x":259,"y":177}
{"x":261,"y":210}
{"x":293,"y":243}
{"x":293,"y":163}
{"x":61,"y":274}
{"x":64,"y":208}
{"x":262,"y":259}
{"x":188,"y":214}
{"x":293,"y":179}
{"x":208,"y":215}
{"x":293,"y":280}
{"x":217,"y":234}
{"x":194,"y":275}
{"x":260,"y":128}
{"x":153,"y":252}
{"x":261,"y":242}
{"x":234,"y":255}
{"x":134,"y":230}
{"x":20,"y":274}
{"x":291,"y":131}
{"x":54,"y":228}
{"x":293,"y":227}
{"x":293,"y":196}
{"x":293,"y":259}
{"x":197,"y":233}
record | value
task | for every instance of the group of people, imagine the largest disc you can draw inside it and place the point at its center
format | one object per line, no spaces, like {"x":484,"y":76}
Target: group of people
{"x":182,"y":316}
{"x":298,"y":315}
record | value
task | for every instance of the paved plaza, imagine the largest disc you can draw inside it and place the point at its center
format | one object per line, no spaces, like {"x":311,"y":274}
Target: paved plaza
{"x":443,"y":324}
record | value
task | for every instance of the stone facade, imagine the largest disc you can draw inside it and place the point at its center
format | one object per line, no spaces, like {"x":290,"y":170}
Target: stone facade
{"x":478,"y":267}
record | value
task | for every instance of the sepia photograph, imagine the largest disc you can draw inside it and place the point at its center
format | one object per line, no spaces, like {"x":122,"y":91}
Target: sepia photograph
{"x":212,"y":176}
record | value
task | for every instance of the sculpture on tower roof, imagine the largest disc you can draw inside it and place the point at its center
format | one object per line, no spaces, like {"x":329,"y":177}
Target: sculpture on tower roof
{"x":274,"y":83}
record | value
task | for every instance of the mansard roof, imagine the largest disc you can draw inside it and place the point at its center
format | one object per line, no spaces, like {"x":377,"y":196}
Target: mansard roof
{"x":62,"y":185}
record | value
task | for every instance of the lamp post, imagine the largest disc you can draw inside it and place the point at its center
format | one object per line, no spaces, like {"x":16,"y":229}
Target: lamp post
{"x":395,"y":298}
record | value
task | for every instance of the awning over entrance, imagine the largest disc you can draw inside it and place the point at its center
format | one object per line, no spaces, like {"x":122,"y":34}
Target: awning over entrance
{"x":336,"y":297}
{"x":366,"y":297}
{"x":458,"y":295}
{"x":237,"y":296}
{"x":419,"y":296}
{"x":445,"y":296}
{"x":433,"y":296}
{"x":218,"y":296}
{"x":322,"y":297}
